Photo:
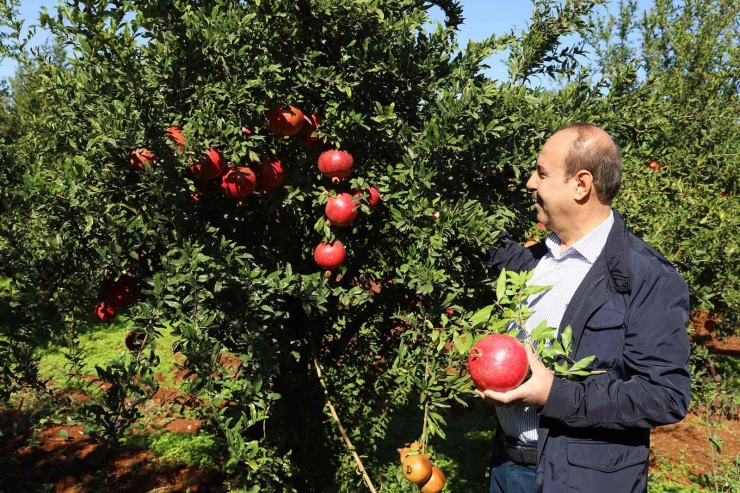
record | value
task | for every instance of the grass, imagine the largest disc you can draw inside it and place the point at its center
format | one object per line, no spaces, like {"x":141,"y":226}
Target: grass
{"x":102,"y":344}
{"x":201,"y":450}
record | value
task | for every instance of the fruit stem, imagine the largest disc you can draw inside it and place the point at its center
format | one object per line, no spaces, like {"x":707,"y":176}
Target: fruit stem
{"x":334,"y":415}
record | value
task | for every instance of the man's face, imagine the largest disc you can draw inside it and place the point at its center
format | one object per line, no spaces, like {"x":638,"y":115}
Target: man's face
{"x":553,"y":196}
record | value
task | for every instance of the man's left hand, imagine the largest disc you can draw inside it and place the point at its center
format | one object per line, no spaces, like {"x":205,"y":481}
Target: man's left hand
{"x":533,"y":392}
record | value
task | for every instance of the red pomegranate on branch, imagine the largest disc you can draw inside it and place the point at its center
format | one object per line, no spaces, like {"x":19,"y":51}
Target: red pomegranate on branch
{"x":336,"y":164}
{"x":342,"y":210}
{"x":238,"y":182}
{"x":285,"y":122}
{"x":329,"y":256}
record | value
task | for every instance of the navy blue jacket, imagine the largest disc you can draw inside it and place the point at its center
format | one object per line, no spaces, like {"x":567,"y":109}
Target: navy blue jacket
{"x":631,"y":312}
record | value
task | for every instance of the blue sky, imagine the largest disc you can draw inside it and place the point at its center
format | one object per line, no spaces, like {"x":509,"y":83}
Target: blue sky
{"x":482,"y":18}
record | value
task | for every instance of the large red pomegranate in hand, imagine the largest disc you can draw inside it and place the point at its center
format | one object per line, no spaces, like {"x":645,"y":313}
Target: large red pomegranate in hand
{"x":371,"y":195}
{"x":208,"y":166}
{"x":238,"y":182}
{"x":284,"y":121}
{"x":498,"y":362}
{"x":342,"y":210}
{"x":270,"y":174}
{"x":329,"y":256}
{"x":139,"y":158}
{"x":336,"y":164}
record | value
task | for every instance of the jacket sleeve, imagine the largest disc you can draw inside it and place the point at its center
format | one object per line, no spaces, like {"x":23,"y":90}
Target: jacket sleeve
{"x":656,"y":355}
{"x":508,"y":254}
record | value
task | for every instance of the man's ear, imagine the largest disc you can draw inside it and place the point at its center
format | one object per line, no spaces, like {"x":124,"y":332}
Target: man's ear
{"x":584,"y":184}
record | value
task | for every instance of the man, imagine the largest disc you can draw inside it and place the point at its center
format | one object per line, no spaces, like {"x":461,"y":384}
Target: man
{"x":626,"y":305}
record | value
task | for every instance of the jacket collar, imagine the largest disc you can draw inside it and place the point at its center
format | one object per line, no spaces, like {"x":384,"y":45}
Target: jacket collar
{"x":617,"y":255}
{"x":614,"y":257}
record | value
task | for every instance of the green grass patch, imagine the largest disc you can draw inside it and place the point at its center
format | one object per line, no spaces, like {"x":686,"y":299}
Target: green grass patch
{"x":102,"y":344}
{"x":201,"y":450}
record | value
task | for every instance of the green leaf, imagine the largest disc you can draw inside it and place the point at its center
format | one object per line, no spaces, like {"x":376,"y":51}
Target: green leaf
{"x":501,"y":285}
{"x":581,"y":364}
{"x":481,"y":316}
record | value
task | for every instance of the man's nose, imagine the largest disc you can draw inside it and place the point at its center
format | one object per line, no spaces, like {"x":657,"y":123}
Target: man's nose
{"x":532,"y":183}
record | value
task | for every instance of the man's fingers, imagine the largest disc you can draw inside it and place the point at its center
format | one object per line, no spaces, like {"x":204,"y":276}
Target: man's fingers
{"x":534,"y":362}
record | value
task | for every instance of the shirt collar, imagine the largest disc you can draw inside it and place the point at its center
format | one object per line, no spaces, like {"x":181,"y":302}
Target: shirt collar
{"x":590,"y":246}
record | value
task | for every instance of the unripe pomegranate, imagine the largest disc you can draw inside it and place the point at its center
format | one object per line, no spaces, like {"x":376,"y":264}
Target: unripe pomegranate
{"x":336,"y":164}
{"x":209,"y":166}
{"x":416,"y":468}
{"x":436,"y":483}
{"x":371,"y":195}
{"x":498,"y":362}
{"x":284,"y":121}
{"x":139,"y":158}
{"x":342,"y":210}
{"x":104,"y":311}
{"x":329,"y":256}
{"x":270,"y":174}
{"x":134,"y":340}
{"x":238,"y":182}
{"x":312,"y":124}
{"x":176,"y":135}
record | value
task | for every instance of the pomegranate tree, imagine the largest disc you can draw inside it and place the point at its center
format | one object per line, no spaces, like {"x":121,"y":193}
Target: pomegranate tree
{"x":498,"y":362}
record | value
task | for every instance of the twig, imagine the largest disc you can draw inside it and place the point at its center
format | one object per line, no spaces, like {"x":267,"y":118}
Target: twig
{"x":334,"y":415}
{"x":426,"y":412}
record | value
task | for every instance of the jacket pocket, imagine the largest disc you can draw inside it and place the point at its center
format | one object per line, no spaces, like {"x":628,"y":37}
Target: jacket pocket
{"x":616,"y":467}
{"x":603,"y":337}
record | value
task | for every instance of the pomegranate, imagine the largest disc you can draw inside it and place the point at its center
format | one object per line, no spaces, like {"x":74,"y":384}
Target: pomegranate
{"x":270,"y":174}
{"x":238,"y":182}
{"x":329,"y":256}
{"x":176,"y":135}
{"x":654,"y":165}
{"x":134,"y":340}
{"x":312,"y":124}
{"x":541,"y":226}
{"x":209,"y":166}
{"x":416,"y":468}
{"x":403,"y":452}
{"x":139,"y":158}
{"x":436,"y":483}
{"x":498,"y":362}
{"x":120,"y":293}
{"x":104,"y":311}
{"x":371,"y":195}
{"x":342,"y":210}
{"x":284,"y":121}
{"x":336,"y":164}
